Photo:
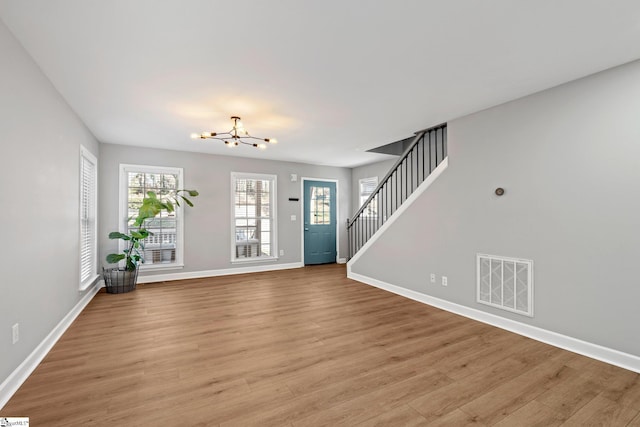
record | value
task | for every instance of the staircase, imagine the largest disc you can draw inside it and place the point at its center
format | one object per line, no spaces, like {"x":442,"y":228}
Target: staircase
{"x":423,"y":155}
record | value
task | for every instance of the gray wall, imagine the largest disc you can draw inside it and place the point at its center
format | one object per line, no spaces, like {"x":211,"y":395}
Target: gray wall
{"x":208,"y":224}
{"x":569,"y":159}
{"x":378,"y":169}
{"x":40,"y":139}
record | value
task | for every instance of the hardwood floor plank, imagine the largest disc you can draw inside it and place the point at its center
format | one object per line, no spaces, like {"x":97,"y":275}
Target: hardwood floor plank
{"x":481,"y":358}
{"x":336,"y":370}
{"x":533,"y":414}
{"x":602,"y":411}
{"x":457,"y":418}
{"x":440,"y":402}
{"x":634,"y":422}
{"x":319,"y":401}
{"x":569,"y":395}
{"x":377,"y":402}
{"x":402,"y":416}
{"x":307,"y":347}
{"x":511,"y":395}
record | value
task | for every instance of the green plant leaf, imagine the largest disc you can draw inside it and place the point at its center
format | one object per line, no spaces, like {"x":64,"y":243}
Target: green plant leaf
{"x":114,"y":258}
{"x":119,"y":235}
{"x":147,"y":210}
{"x":137,"y":235}
{"x":187,"y":201}
{"x":192,"y":193}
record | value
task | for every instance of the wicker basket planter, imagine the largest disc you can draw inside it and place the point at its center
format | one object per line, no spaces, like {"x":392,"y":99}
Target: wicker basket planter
{"x":119,"y":280}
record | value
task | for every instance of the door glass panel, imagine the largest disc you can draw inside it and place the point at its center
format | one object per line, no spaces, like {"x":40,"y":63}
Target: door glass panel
{"x":320,"y":206}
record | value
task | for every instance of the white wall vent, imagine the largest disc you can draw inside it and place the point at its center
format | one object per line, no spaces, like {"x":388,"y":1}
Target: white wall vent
{"x":506,"y":283}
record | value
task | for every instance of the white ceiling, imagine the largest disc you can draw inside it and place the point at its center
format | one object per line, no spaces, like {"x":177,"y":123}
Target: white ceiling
{"x":328,"y":78}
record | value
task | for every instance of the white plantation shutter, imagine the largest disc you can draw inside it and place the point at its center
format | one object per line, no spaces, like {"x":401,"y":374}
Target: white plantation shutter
{"x":88,"y":208}
{"x":367,"y":185}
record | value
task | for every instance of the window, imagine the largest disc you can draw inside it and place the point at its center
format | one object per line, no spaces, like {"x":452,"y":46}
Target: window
{"x":163,"y":248}
{"x":88,"y":218}
{"x":320,"y":209}
{"x":254,"y":217}
{"x":367,"y":186}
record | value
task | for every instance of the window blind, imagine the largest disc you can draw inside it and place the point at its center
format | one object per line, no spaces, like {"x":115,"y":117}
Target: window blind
{"x":88,"y":207}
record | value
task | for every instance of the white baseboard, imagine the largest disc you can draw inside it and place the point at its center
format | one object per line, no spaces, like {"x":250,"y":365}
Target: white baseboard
{"x":213,"y":273}
{"x":22,"y":372}
{"x":595,"y":351}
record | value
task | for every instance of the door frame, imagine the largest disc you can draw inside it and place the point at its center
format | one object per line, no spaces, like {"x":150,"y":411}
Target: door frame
{"x":302,"y":180}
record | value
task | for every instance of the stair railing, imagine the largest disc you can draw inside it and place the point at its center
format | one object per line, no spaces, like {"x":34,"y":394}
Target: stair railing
{"x":424,"y":154}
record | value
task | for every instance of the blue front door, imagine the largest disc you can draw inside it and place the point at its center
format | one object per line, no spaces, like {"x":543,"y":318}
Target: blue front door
{"x":319,"y":222}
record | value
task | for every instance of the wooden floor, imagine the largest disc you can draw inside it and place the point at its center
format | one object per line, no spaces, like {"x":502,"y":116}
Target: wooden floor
{"x":308,"y":347}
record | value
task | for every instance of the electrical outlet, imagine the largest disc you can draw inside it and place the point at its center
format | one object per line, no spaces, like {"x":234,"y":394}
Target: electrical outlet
{"x":433,"y":278}
{"x":15,"y":329}
{"x":281,"y":252}
{"x":444,"y":280}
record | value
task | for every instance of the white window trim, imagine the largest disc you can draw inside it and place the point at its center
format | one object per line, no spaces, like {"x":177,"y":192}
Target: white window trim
{"x":86,"y":154}
{"x":274,"y":216}
{"x":366,"y":214}
{"x":122,"y":218}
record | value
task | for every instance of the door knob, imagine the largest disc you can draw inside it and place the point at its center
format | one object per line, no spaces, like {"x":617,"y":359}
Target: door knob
{"x":306,"y":229}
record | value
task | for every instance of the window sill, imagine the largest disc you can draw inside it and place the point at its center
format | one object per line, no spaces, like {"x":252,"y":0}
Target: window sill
{"x":255,"y":259}
{"x":160,"y":267}
{"x":88,"y":283}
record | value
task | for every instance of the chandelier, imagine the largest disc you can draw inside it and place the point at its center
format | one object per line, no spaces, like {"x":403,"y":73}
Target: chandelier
{"x":237,"y":135}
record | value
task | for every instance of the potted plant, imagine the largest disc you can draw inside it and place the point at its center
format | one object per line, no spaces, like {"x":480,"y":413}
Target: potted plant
{"x":123,"y":279}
